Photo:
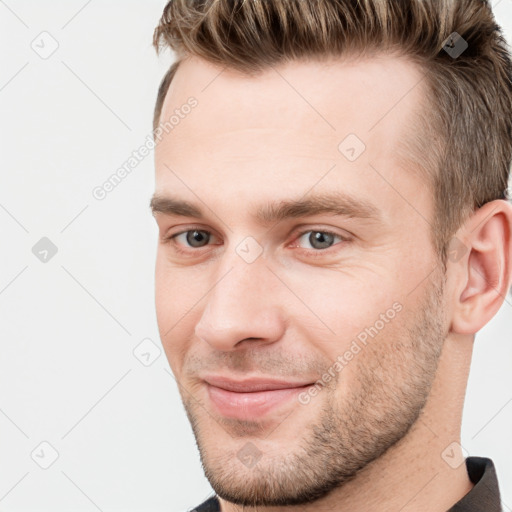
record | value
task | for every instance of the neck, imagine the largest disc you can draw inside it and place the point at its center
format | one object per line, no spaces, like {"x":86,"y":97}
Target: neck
{"x":425,"y":471}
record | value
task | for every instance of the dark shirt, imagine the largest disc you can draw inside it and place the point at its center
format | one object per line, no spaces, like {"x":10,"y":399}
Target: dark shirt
{"x":484,"y":497}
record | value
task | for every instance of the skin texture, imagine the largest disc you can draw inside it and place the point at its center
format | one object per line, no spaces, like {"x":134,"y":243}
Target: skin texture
{"x":373,"y":436}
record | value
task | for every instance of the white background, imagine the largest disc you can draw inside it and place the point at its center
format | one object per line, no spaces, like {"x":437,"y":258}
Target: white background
{"x":68,"y":327}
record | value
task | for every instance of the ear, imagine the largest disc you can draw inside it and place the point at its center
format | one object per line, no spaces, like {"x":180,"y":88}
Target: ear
{"x":480,"y":261}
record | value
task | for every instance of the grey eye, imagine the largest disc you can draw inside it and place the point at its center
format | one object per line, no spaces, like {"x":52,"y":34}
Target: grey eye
{"x":319,"y":239}
{"x":196,"y":237}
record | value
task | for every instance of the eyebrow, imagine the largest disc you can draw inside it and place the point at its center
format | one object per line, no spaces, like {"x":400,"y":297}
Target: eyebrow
{"x":334,"y":203}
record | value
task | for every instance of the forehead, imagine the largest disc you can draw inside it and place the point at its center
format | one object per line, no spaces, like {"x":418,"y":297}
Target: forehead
{"x":284,"y":128}
{"x":364,"y":94}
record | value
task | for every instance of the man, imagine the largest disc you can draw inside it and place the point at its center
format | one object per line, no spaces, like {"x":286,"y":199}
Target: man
{"x":331,"y":198}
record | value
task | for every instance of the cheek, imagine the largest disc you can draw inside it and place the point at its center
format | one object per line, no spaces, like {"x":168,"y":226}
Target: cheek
{"x":354,"y":320}
{"x":174,"y":310}
{"x":345,"y":301}
{"x":173,"y":288}
{"x":163,"y":295}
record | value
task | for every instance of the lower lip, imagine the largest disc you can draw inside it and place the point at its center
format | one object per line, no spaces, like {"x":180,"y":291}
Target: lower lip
{"x":251,"y":405}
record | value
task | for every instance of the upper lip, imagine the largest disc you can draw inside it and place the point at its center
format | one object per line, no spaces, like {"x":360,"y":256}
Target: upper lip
{"x":251,"y":385}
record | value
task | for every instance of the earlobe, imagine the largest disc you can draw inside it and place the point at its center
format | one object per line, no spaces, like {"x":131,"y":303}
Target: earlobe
{"x":484,"y":272}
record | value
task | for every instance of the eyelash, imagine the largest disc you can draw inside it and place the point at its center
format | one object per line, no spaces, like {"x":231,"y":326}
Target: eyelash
{"x":315,"y":252}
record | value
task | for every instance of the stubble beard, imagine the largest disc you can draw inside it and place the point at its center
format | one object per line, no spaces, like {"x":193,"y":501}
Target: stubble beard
{"x":392,"y":378}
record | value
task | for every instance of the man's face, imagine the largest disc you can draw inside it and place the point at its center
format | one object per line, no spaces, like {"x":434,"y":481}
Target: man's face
{"x":347,"y":300}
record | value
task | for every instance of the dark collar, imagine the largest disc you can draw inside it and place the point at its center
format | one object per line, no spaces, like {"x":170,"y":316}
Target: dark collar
{"x":485,"y":495}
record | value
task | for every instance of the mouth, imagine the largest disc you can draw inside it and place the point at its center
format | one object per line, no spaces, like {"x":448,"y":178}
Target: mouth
{"x":252,"y":398}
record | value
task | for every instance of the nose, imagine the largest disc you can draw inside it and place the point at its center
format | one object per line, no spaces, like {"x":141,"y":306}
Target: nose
{"x":242,"y":308}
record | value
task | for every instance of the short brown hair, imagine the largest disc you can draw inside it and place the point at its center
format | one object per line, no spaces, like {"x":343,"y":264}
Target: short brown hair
{"x":463,"y":143}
